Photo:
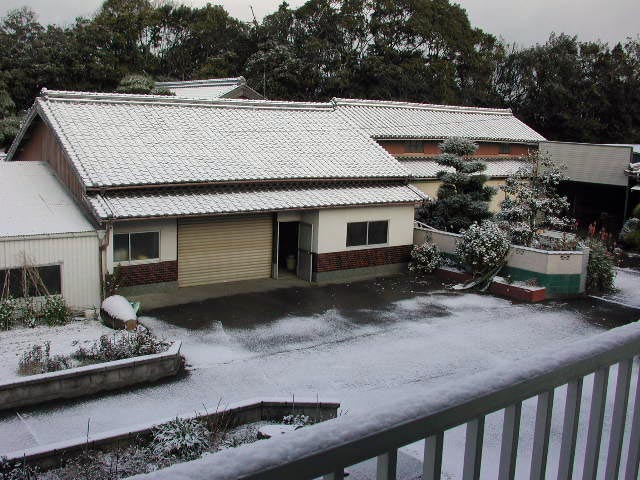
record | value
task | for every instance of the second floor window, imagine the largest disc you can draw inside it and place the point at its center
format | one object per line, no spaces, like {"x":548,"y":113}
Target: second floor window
{"x":505,"y":148}
{"x":414,"y":146}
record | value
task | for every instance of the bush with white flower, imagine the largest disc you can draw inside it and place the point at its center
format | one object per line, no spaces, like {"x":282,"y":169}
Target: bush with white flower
{"x":483,"y":247}
{"x":425,"y":258}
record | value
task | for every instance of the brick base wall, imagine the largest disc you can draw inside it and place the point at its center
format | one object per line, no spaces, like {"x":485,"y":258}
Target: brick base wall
{"x":146,"y":273}
{"x":371,"y":257}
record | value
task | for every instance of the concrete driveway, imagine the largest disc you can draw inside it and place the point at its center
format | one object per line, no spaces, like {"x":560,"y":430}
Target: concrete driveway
{"x":364,"y":344}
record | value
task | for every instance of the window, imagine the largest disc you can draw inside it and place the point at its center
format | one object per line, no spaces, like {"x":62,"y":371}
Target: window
{"x":414,"y":146}
{"x":367,"y":233}
{"x":136,"y":246}
{"x":32,"y":282}
{"x":505,"y":148}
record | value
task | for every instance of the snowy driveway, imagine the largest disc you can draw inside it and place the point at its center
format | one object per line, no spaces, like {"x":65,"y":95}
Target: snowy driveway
{"x":363,"y":344}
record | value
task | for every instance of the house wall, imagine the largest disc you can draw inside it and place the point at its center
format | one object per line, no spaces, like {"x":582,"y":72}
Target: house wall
{"x":43,"y":146}
{"x":78,"y":255}
{"x":432,"y":147}
{"x":431,"y":188}
{"x":164,"y":269}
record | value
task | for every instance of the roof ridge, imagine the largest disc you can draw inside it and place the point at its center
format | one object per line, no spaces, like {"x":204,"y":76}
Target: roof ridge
{"x":132,"y":98}
{"x":338,"y":102}
{"x":238,"y":81}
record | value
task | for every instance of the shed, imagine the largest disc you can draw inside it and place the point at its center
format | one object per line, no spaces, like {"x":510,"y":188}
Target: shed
{"x":41,"y":226}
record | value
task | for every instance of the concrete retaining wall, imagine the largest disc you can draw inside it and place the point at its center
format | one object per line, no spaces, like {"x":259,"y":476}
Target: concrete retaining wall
{"x":48,"y":456}
{"x":562,"y":273}
{"x":81,"y":381}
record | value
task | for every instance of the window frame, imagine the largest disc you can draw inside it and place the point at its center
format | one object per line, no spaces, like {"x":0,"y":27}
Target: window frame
{"x":367,"y":244}
{"x":504,"y":149}
{"x":60,"y":266}
{"x":135,"y":262}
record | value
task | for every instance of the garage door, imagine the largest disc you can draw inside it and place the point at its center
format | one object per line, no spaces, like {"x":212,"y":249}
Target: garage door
{"x":224,"y":250}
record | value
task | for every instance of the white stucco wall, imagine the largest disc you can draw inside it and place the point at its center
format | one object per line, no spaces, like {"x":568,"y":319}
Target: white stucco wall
{"x":168,"y":239}
{"x":79,"y":257}
{"x":331,"y":231}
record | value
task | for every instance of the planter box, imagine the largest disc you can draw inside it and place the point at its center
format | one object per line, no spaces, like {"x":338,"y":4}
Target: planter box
{"x":564,"y":274}
{"x":497,"y":287}
{"x":81,"y":381}
{"x":48,"y":456}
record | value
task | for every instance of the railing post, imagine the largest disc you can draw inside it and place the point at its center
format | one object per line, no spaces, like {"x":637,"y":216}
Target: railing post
{"x":596,"y":418}
{"x":473,"y":449}
{"x":432,"y":463}
{"x":570,"y":429}
{"x":387,"y":465}
{"x":619,"y":416}
{"x":510,"y":437}
{"x":541,"y":436}
{"x":633,"y":459}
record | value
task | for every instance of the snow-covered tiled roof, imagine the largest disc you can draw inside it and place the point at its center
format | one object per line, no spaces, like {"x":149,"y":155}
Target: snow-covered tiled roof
{"x":123,"y":140}
{"x":210,"y":88}
{"x":392,"y":120}
{"x":33,"y":202}
{"x":426,"y":168}
{"x":231,"y":200}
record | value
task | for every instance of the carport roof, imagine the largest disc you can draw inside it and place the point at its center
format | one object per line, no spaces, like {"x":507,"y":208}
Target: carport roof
{"x":181,"y":202}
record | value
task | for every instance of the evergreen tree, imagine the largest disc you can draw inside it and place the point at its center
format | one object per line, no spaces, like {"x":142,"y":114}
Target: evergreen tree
{"x":532,"y":201}
{"x":140,"y":84}
{"x":463,"y":197}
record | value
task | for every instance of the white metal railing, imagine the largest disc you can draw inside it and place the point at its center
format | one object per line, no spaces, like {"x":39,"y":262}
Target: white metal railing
{"x":325,"y":449}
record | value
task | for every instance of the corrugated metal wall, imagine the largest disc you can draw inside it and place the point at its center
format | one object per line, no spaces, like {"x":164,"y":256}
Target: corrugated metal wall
{"x":590,"y":163}
{"x":79,"y":257}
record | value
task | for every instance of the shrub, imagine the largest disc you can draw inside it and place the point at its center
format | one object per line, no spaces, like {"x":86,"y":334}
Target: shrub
{"x":38,"y":360}
{"x":297,"y":420}
{"x":55,"y":311}
{"x":630,"y":233}
{"x":10,"y":470}
{"x":125,"y":345}
{"x":601,"y":272}
{"x":636,"y":211}
{"x":425,"y":258}
{"x":185,"y":438}
{"x":483,"y":247}
{"x":7,"y":313}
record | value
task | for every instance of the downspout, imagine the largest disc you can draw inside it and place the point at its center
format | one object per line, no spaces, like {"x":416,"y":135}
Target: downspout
{"x":104,"y":244}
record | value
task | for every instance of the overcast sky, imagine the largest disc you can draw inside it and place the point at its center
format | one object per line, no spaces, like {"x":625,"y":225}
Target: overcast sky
{"x":523,"y":21}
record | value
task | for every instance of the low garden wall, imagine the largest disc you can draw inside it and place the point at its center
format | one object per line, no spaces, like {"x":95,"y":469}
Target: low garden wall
{"x":48,"y":456}
{"x":562,"y":273}
{"x":81,"y":381}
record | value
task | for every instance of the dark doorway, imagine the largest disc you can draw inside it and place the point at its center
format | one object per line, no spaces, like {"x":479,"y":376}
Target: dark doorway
{"x":603,"y":204}
{"x":287,"y":248}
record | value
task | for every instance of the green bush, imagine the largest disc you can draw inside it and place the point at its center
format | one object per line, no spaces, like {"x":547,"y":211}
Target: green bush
{"x":55,"y":311}
{"x":39,"y":360}
{"x":185,"y":438}
{"x":632,"y":240}
{"x":636,"y":211}
{"x":601,"y":271}
{"x":483,"y":247}
{"x":7,"y":313}
{"x":425,"y":258}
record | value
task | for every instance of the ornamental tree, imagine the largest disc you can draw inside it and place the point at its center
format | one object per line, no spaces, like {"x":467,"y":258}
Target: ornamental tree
{"x":533,"y":202}
{"x":463,"y":198}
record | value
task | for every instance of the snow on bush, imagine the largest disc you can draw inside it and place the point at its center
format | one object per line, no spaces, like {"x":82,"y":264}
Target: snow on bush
{"x":185,"y":438}
{"x":483,"y":247}
{"x":119,"y":307}
{"x":425,"y":258}
{"x":297,"y":420}
{"x":39,"y":360}
{"x":601,"y":271}
{"x":122,"y":345}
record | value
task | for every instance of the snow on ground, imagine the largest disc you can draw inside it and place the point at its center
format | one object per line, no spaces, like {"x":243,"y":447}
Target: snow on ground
{"x":64,"y":340}
{"x":628,"y":287}
{"x":363,"y":344}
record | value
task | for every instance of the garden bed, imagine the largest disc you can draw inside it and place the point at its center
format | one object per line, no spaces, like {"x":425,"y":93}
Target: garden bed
{"x":144,"y":448}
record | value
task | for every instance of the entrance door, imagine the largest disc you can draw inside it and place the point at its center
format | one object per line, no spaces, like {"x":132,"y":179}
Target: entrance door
{"x":305,"y":256}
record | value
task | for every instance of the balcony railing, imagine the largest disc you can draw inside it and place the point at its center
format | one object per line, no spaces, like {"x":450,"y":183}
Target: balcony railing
{"x":325,"y":449}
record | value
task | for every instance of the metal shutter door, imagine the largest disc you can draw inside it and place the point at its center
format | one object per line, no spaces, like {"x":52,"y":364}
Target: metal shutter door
{"x":224,"y":250}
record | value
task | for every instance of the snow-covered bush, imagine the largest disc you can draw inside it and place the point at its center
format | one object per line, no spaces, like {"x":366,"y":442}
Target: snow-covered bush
{"x":7,"y":313}
{"x":10,"y":470}
{"x":184,"y":438}
{"x":297,"y":420}
{"x":121,"y":346}
{"x":39,"y":360}
{"x":630,"y":233}
{"x":601,"y":271}
{"x":425,"y":258}
{"x":483,"y":247}
{"x":55,"y":311}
